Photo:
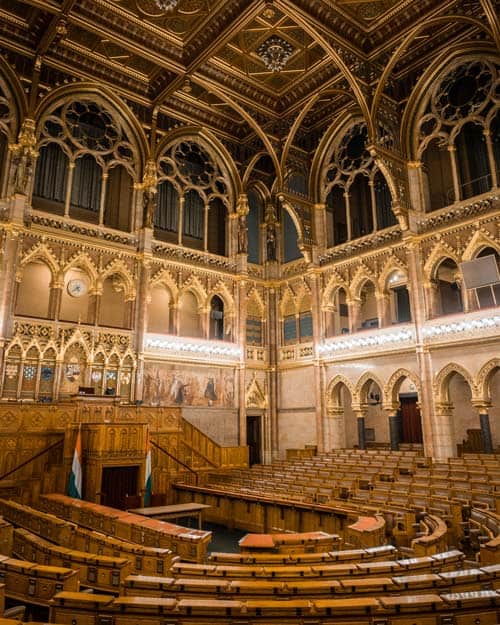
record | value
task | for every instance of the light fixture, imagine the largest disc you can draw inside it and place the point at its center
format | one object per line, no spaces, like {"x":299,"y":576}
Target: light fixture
{"x":166,"y":5}
{"x":275,"y":52}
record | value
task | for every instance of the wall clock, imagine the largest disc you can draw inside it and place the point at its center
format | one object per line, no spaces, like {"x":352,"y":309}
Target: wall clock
{"x":76,"y":287}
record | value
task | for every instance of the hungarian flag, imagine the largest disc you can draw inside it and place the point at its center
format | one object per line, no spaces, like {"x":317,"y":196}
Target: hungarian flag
{"x":147,"y":474}
{"x":75,"y":477}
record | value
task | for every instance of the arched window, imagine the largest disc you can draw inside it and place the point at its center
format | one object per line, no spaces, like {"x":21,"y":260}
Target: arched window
{"x":368,"y":314}
{"x":451,"y":133}
{"x":216,"y":318}
{"x":336,"y":217}
{"x":399,"y":297}
{"x":450,"y":294}
{"x":383,"y":202}
{"x":119,"y":194}
{"x":254,"y":219}
{"x":438,"y":177}
{"x":51,"y":178}
{"x":472,"y":157}
{"x":86,"y":189}
{"x":353,"y":208}
{"x":189,"y":318}
{"x":33,"y":294}
{"x":166,"y":217}
{"x":290,"y":239}
{"x":188,"y":170}
{"x":87,"y":132}
{"x":216,"y":228}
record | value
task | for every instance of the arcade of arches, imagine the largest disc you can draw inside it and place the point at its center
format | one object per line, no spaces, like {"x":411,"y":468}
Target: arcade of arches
{"x":182,"y":226}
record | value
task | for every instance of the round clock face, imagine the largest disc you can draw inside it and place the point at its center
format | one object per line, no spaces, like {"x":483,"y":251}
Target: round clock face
{"x":77,"y":287}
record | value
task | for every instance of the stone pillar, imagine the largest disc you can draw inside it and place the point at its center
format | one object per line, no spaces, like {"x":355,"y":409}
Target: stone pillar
{"x":102,"y":200}
{"x":454,"y":171}
{"x":359,"y":413}
{"x":55,"y":298}
{"x":180,"y":224}
{"x":416,"y":186}
{"x":320,"y":227}
{"x":141,"y":309}
{"x":8,"y":261}
{"x":354,"y":306}
{"x":444,"y":446}
{"x":383,"y":309}
{"x":491,"y":158}
{"x":347,"y":216}
{"x":394,"y":425}
{"x":335,"y":420}
{"x":67,"y":199}
{"x":320,"y":399}
{"x":417,"y":299}
{"x":272,"y":343}
{"x":432,"y":297}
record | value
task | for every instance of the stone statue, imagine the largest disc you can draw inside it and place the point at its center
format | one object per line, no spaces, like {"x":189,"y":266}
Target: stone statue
{"x":242,"y":235}
{"x":271,"y":241}
{"x":149,"y":206}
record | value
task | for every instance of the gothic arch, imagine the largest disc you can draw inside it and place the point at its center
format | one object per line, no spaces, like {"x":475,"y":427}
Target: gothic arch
{"x":335,"y":282}
{"x":215,"y":149}
{"x":221,"y":290}
{"x":363,"y":275}
{"x":440,"y":251}
{"x":255,"y":296}
{"x":362,"y":382}
{"x":77,"y":340}
{"x":479,"y":241}
{"x":41,"y":252}
{"x":391,"y":388}
{"x":332,"y":393}
{"x":194,"y":286}
{"x":165,"y":278}
{"x":100,"y":93}
{"x":483,"y":379}
{"x":83,"y":261}
{"x":118,"y":267}
{"x":442,"y":378}
{"x":392,"y":264}
{"x":433,"y":74}
{"x":10,"y":84}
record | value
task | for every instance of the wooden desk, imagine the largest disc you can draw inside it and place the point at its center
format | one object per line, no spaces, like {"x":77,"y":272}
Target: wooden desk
{"x":176,"y":511}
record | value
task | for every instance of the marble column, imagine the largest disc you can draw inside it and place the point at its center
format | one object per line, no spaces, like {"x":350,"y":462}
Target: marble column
{"x":335,"y":419}
{"x":359,"y":413}
{"x":394,"y":426}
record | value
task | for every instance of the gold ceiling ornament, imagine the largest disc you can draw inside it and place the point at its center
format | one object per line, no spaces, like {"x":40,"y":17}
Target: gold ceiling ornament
{"x":275,"y":53}
{"x":166,"y":5}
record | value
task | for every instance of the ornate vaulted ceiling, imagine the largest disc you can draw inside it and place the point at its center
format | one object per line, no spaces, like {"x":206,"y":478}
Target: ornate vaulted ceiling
{"x":200,"y":63}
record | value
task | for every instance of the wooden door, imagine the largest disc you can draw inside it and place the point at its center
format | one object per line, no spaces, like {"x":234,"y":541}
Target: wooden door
{"x":411,"y":422}
{"x":254,"y":439}
{"x":117,"y":483}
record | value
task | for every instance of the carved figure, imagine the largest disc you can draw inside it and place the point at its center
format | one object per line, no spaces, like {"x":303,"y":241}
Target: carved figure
{"x":242,"y":235}
{"x":271,"y":242}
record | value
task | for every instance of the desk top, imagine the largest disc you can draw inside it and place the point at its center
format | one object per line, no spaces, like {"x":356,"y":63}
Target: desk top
{"x":178,"y":508}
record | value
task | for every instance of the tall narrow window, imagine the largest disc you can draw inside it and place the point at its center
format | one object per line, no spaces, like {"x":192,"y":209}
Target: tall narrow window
{"x":216,"y":318}
{"x":86,"y":188}
{"x":51,"y":176}
{"x":119,"y":191}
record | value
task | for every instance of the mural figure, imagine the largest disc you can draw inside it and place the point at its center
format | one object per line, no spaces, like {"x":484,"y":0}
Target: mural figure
{"x":210,"y":393}
{"x":177,"y":390}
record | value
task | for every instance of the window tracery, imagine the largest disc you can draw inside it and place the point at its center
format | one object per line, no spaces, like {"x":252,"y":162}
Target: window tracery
{"x":357,"y":197}
{"x":458,"y":131}
{"x":194,"y":197}
{"x":84,"y":145}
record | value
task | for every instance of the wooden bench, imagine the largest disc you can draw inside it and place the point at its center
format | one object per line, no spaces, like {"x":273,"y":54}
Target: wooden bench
{"x":434,"y":538}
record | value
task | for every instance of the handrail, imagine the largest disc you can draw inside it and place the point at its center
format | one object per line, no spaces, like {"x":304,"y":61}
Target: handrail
{"x":183,"y":464}
{"x":40,"y":453}
{"x":450,"y":193}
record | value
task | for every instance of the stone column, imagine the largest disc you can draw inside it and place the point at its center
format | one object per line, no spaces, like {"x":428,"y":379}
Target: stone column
{"x":347,"y":216}
{"x":432,"y":298}
{"x":320,"y":227}
{"x":484,"y":423}
{"x":272,"y":343}
{"x":417,"y":299}
{"x":444,"y":446}
{"x":55,"y":298}
{"x":383,"y":309}
{"x":335,"y":420}
{"x":354,"y":306}
{"x":102,"y":200}
{"x":416,"y":186}
{"x":359,"y":413}
{"x":141,"y":309}
{"x":67,"y":199}
{"x":394,"y":425}
{"x":454,"y":171}
{"x":491,"y":158}
{"x":320,"y":392}
{"x":10,"y":243}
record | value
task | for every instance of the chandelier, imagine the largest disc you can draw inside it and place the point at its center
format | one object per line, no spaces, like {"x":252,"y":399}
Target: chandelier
{"x":166,"y":5}
{"x":275,"y":52}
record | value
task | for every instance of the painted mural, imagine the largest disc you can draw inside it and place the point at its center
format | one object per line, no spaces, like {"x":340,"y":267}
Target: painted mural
{"x":175,"y":385}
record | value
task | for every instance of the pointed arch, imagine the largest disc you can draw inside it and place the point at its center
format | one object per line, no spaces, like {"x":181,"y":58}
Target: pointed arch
{"x":254,"y":296}
{"x":440,"y":252}
{"x":441,"y":391}
{"x":220,"y":289}
{"x":391,"y":264}
{"x":83,"y":261}
{"x":393,"y":384}
{"x":332,"y":392}
{"x":363,"y":275}
{"x":41,"y":252}
{"x":483,"y":379}
{"x":165,"y":278}
{"x":363,"y":382}
{"x":119,"y":268}
{"x":335,"y":282}
{"x":478,"y":242}
{"x":100,"y":93}
{"x":194,"y":286}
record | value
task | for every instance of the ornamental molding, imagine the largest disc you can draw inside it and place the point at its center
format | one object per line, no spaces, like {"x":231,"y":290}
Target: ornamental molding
{"x":191,"y":349}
